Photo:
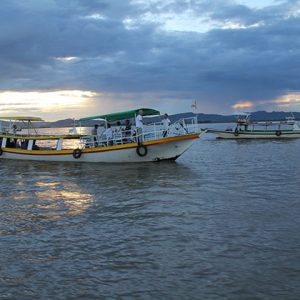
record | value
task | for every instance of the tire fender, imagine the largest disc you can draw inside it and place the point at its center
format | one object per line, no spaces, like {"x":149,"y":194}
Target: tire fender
{"x":77,"y":153}
{"x":236,"y":132}
{"x":141,"y":150}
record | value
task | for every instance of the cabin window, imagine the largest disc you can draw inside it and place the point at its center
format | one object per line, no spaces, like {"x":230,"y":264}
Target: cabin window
{"x":24,"y":144}
{"x":35,"y":146}
{"x":46,"y":144}
{"x":9,"y":143}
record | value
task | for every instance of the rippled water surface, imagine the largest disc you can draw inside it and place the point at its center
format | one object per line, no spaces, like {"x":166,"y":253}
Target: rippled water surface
{"x":220,"y":223}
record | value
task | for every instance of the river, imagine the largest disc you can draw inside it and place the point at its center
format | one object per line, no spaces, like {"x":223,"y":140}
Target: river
{"x":222,"y":222}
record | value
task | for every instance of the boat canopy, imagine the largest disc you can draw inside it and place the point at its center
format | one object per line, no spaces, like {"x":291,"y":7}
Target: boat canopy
{"x":32,"y":119}
{"x":123,"y":115}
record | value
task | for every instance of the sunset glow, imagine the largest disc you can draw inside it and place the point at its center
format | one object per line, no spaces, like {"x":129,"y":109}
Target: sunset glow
{"x":241,"y":105}
{"x":115,"y":56}
{"x":33,"y":103}
{"x":287,"y":101}
{"x":290,"y":98}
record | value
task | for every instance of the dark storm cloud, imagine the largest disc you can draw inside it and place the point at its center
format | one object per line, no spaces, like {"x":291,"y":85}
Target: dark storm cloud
{"x":259,"y":60}
{"x":34,"y":35}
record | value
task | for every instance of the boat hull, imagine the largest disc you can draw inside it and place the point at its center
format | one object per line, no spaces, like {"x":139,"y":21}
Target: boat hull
{"x":164,"y":149}
{"x":223,"y":134}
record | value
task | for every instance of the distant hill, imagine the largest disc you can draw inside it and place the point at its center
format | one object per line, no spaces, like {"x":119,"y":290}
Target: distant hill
{"x":202,"y":118}
{"x":60,"y":123}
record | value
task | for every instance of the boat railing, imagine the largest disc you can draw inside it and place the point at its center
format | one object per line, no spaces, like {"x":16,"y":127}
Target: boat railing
{"x":153,"y":131}
{"x":9,"y":130}
{"x":273,"y":125}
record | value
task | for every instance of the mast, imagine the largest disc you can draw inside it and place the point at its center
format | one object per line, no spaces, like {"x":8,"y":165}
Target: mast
{"x":194,"y":107}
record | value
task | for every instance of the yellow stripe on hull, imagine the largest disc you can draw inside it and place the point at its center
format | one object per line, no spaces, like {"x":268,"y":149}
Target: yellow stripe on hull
{"x":166,"y":148}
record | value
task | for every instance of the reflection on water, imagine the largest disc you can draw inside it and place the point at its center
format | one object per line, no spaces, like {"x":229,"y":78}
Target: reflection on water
{"x":51,"y":191}
{"x":220,"y":223}
{"x":75,"y":201}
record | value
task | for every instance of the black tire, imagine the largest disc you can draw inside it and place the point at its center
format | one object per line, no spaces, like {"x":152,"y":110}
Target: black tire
{"x":278,"y":132}
{"x":141,"y":151}
{"x":236,"y":132}
{"x":77,"y":153}
{"x":1,"y":151}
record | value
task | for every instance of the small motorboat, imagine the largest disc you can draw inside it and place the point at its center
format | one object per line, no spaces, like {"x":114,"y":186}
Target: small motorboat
{"x":247,"y":129}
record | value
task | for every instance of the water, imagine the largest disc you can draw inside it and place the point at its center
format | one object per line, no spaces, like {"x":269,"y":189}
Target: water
{"x":220,"y":223}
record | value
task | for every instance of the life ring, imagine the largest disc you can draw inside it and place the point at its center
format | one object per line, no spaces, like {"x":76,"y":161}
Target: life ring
{"x":278,"y":132}
{"x":1,"y":151}
{"x":236,"y":132}
{"x":141,"y":150}
{"x":77,"y":153}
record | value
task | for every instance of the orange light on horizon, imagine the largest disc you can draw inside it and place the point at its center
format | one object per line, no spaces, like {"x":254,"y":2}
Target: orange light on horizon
{"x":284,"y":101}
{"x":242,"y":105}
{"x":288,"y":99}
{"x":40,"y":102}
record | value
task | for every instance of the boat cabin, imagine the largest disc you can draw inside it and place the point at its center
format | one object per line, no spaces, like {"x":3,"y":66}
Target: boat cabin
{"x":20,"y":133}
{"x":119,"y":128}
{"x":245,"y":124}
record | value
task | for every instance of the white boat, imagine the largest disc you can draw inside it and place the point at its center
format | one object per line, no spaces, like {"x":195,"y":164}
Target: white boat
{"x":247,"y":129}
{"x":125,"y":147}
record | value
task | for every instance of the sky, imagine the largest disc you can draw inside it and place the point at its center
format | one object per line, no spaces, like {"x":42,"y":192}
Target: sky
{"x":75,"y":58}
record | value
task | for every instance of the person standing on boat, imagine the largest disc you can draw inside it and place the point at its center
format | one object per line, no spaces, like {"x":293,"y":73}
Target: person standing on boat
{"x":94,"y":130}
{"x":94,"y":134}
{"x":127,"y":131}
{"x":127,"y":128}
{"x":139,"y":123}
{"x":166,"y":123}
{"x":14,"y":129}
{"x":100,"y":131}
{"x":109,"y":135}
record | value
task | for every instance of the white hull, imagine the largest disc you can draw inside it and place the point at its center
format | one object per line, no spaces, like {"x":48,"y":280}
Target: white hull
{"x":169,"y":149}
{"x":254,"y":135}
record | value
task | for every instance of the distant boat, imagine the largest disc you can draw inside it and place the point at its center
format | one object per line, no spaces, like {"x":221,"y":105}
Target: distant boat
{"x":247,"y":129}
{"x":153,"y":144}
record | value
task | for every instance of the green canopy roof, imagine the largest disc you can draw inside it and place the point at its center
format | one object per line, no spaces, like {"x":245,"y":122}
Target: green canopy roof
{"x":123,"y":115}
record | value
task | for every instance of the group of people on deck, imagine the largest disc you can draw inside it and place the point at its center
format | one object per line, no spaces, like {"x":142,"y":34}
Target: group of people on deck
{"x":139,"y":123}
{"x":126,"y":132}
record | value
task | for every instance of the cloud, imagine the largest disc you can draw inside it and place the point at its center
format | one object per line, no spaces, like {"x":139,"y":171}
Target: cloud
{"x":223,"y":53}
{"x":45,"y":103}
{"x":288,"y":101}
{"x":243,"y":105}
